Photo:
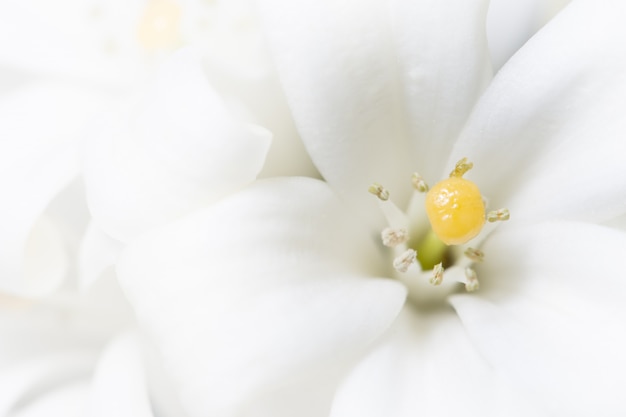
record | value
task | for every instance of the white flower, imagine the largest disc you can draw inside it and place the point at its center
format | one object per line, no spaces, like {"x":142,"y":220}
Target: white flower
{"x":66,"y":345}
{"x":59,"y":75}
{"x":277,"y":300}
{"x":70,"y":353}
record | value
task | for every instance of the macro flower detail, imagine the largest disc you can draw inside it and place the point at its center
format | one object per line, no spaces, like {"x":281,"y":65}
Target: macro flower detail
{"x":283,"y":299}
{"x":456,"y":213}
{"x":149,"y":266}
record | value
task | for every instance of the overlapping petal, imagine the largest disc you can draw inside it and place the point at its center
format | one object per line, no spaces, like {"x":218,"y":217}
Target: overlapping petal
{"x":97,"y":255}
{"x":444,"y":66}
{"x":259,"y":294}
{"x":50,"y":346}
{"x":40,"y":129}
{"x":510,"y":23}
{"x":547,"y":136}
{"x":426,"y":365}
{"x":549,"y":317}
{"x":24,"y":382}
{"x":89,"y":41}
{"x":183,"y":150}
{"x":368,"y":90}
{"x":119,"y":387}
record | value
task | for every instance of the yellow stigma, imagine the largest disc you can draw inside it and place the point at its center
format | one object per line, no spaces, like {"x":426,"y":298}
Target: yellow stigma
{"x":455,"y":208}
{"x":159,"y":27}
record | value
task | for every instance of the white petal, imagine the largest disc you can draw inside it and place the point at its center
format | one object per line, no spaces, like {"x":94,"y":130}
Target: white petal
{"x":183,"y":151}
{"x":427,"y":366}
{"x":239,"y":66}
{"x":337,"y":63}
{"x":258,"y":294}
{"x":368,"y":84}
{"x":67,"y":400}
{"x":84,"y":40}
{"x":547,"y":136}
{"x":98,"y":252}
{"x":510,"y":23}
{"x":61,"y":321}
{"x":444,"y":67}
{"x":23,"y":382}
{"x":118,"y":386}
{"x":549,"y":315}
{"x":38,"y":158}
{"x":617,"y":222}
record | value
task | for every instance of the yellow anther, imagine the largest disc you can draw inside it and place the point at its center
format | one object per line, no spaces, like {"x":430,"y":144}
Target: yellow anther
{"x":379,"y":191}
{"x":461,"y":168}
{"x":455,"y":209}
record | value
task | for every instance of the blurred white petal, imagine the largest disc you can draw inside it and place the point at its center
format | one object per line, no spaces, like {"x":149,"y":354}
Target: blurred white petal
{"x":118,"y":387}
{"x":244,"y":304}
{"x":67,"y":400}
{"x":183,"y":151}
{"x":87,"y":41}
{"x":98,"y":252}
{"x":38,"y":158}
{"x":24,"y":381}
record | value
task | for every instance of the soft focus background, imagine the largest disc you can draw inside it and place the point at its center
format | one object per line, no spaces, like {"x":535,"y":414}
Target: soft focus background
{"x":118,"y":117}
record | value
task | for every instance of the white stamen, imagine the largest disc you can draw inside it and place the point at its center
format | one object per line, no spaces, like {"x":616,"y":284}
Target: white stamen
{"x":418,"y":183}
{"x":394,"y":237}
{"x":498,"y":215}
{"x":475,"y":255}
{"x":379,"y":191}
{"x":437,"y":274}
{"x":404,"y":261}
{"x":472,"y":280}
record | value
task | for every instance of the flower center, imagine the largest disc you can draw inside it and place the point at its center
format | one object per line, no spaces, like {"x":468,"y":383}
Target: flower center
{"x":435,"y":234}
{"x":432,"y":251}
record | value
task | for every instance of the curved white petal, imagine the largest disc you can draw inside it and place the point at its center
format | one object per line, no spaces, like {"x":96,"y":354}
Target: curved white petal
{"x":118,"y":387}
{"x":550,"y":315}
{"x":262,"y":292}
{"x":546,"y":138}
{"x":40,"y":127}
{"x":184,"y":150}
{"x":370,"y":85}
{"x":239,"y":67}
{"x":444,"y":66}
{"x":60,"y":322}
{"x":510,"y":23}
{"x":162,"y":388}
{"x":425,"y":365}
{"x":67,"y":400}
{"x":98,"y":252}
{"x":24,"y":382}
{"x":617,"y":222}
{"x":337,"y":63}
{"x":90,"y":41}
